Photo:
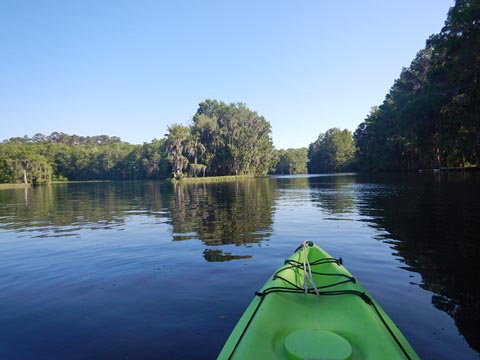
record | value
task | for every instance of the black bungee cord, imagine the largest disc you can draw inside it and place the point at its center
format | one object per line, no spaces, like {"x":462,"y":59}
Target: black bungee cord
{"x":295,"y":289}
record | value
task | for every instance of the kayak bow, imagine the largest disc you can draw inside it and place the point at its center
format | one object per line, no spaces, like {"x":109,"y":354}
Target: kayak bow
{"x":313,"y":308}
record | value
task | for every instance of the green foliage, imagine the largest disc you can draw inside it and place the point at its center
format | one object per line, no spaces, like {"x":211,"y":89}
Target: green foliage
{"x":224,"y":139}
{"x":61,"y":157}
{"x":431,"y":116}
{"x":21,"y":163}
{"x":333,"y":151}
{"x":6,"y":172}
{"x":236,"y":139}
{"x":290,"y":161}
{"x":177,"y":147}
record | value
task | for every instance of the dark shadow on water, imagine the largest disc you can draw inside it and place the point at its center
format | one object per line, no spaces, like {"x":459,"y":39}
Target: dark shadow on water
{"x":215,"y":255}
{"x":435,"y":223}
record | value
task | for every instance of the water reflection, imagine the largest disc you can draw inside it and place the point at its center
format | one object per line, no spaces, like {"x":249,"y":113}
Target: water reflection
{"x":223,"y":213}
{"x":333,"y":194}
{"x":434,"y":224}
{"x":64,"y":209}
{"x":218,"y":214}
{"x":292,"y":182}
{"x":215,"y":255}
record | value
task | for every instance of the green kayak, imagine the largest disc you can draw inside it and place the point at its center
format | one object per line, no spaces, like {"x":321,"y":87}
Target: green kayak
{"x":313,"y":308}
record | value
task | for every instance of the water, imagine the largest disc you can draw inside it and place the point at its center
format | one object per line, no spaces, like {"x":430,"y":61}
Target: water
{"x":143,"y":270}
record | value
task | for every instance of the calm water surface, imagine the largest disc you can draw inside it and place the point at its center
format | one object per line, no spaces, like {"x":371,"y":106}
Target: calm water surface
{"x":143,"y":270}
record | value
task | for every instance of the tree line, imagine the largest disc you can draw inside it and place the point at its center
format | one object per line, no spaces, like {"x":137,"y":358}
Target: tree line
{"x":223,"y":139}
{"x":431,"y":116}
{"x":34,"y":161}
{"x":333,"y":151}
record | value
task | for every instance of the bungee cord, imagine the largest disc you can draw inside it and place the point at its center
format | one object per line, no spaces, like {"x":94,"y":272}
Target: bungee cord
{"x":306,"y":289}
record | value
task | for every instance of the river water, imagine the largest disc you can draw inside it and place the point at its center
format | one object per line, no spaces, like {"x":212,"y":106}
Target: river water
{"x":143,"y":270}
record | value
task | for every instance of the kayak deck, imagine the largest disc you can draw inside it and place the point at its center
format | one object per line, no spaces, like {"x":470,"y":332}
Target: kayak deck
{"x":333,"y":317}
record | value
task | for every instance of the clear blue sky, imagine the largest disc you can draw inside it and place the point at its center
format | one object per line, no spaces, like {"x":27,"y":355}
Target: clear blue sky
{"x":131,"y":68}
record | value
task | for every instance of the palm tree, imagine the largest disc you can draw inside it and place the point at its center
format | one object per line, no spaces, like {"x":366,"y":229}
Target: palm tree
{"x":195,"y":149}
{"x":177,"y":141}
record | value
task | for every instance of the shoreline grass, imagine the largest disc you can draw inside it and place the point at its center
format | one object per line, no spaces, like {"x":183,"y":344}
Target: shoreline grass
{"x":212,"y":179}
{"x":9,"y":186}
{"x":185,"y":180}
{"x":78,"y":181}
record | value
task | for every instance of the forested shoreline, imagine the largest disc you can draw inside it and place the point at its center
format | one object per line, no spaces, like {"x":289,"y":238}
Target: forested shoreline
{"x":431,"y":116}
{"x":222,"y":140}
{"x":429,"y":119}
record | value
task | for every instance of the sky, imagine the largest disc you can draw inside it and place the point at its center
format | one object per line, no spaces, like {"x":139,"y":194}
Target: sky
{"x":132,"y":68}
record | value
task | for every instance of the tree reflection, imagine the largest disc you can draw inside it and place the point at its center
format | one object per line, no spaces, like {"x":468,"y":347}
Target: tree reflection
{"x":224,"y":213}
{"x":292,"y":181}
{"x":436,"y":225}
{"x":214,"y":255}
{"x":63,"y":209}
{"x":220,"y":213}
{"x":333,"y":194}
